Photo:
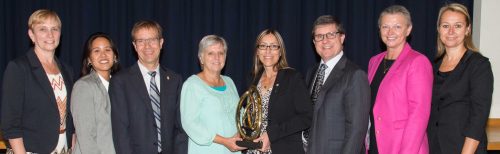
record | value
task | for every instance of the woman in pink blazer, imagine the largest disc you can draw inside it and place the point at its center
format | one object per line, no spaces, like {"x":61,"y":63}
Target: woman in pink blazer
{"x":401,"y":83}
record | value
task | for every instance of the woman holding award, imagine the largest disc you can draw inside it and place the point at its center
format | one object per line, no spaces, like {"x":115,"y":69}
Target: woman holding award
{"x":208,"y":102}
{"x":287,"y":109}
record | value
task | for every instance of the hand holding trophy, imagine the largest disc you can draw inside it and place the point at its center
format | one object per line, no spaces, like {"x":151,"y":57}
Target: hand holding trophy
{"x":249,"y":118}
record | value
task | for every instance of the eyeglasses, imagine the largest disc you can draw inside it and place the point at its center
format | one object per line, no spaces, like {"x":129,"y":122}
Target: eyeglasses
{"x":329,"y":35}
{"x":142,"y":42}
{"x":272,"y":47}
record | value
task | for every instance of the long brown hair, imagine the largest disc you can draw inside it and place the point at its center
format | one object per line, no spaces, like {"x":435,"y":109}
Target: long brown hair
{"x":282,"y":63}
{"x":458,"y":8}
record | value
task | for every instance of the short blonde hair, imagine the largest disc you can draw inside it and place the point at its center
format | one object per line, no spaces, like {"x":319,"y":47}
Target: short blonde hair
{"x":458,"y":8}
{"x":396,"y":9}
{"x":42,"y":15}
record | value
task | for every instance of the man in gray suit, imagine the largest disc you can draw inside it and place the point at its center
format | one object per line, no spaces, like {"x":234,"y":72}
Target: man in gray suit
{"x":340,"y":93}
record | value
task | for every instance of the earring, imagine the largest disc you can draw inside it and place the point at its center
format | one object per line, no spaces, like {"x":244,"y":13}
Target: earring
{"x":89,"y":64}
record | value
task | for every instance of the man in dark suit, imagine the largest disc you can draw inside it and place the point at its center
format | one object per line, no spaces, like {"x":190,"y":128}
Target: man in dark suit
{"x":145,"y":99}
{"x":340,"y":93}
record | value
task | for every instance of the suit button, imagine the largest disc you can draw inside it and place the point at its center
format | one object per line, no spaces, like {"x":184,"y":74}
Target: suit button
{"x":441,"y":98}
{"x":379,"y":118}
{"x":437,"y":123}
{"x":377,"y":132}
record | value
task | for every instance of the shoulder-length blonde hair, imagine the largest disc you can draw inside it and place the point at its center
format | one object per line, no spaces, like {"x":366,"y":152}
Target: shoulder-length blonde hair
{"x":458,"y":8}
{"x":282,"y":63}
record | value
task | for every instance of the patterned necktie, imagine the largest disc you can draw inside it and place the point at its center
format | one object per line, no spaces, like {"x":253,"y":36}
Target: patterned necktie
{"x":318,"y":82}
{"x":154,"y":95}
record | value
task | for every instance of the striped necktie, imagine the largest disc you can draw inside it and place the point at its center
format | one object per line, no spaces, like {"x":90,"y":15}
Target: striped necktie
{"x":154,"y":95}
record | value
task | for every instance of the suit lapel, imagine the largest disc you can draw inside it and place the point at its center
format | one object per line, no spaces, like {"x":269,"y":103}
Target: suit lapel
{"x":334,"y":75}
{"x":457,"y":72}
{"x":399,"y":60}
{"x":165,"y":80}
{"x":140,"y":86}
{"x":311,"y":75}
{"x":41,"y":76}
{"x":276,"y":87}
{"x":95,"y":77}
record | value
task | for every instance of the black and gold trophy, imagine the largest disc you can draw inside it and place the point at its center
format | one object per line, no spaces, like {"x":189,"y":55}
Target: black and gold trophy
{"x":249,"y":119}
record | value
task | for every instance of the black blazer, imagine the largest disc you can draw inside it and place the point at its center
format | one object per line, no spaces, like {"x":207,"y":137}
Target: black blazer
{"x":132,"y":116}
{"x":29,"y":108}
{"x":341,"y":111}
{"x":290,"y":112}
{"x":460,"y":108}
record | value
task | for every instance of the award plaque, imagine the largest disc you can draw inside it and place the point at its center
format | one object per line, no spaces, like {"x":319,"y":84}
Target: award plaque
{"x":249,"y":119}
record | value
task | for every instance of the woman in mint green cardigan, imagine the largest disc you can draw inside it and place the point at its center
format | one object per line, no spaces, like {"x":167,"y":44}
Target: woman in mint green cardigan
{"x":208,"y":103}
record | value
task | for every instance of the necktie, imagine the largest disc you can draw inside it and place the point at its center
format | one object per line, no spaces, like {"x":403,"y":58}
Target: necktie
{"x":318,"y":83}
{"x":154,"y":95}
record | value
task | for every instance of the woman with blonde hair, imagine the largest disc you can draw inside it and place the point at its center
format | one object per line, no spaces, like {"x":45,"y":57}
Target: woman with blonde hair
{"x":463,"y":87}
{"x":37,"y":88}
{"x":401,"y":84}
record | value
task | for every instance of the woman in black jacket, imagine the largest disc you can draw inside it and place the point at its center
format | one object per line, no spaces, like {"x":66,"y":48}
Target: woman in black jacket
{"x":287,"y":109}
{"x":463,"y":87}
{"x":37,"y":88}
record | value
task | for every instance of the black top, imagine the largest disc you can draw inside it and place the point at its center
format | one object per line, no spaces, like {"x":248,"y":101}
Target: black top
{"x":461,"y":103}
{"x":382,"y":69}
{"x":440,"y":78}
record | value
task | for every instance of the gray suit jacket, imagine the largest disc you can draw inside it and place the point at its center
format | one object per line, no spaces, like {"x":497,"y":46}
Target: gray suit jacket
{"x":341,"y":112}
{"x":92,"y":116}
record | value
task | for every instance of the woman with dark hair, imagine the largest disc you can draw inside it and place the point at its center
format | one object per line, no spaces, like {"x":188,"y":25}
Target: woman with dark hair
{"x":463,"y":87}
{"x":86,"y":61}
{"x":91,"y":105}
{"x":287,"y":109}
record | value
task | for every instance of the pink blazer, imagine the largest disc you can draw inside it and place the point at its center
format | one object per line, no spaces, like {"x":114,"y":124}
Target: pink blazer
{"x":403,"y":103}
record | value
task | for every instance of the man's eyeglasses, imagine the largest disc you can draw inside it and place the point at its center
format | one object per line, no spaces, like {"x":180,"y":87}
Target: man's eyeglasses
{"x":329,"y":35}
{"x":142,"y":42}
{"x":264,"y":47}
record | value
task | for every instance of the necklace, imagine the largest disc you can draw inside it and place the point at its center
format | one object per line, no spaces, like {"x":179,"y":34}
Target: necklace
{"x":267,"y":82}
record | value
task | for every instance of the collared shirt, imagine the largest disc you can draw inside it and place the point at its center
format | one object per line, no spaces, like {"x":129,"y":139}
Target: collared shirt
{"x":147,"y":77}
{"x":331,"y":63}
{"x":104,"y":82}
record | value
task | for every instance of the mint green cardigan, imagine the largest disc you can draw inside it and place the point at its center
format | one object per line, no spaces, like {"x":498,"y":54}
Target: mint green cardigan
{"x":206,"y":112}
